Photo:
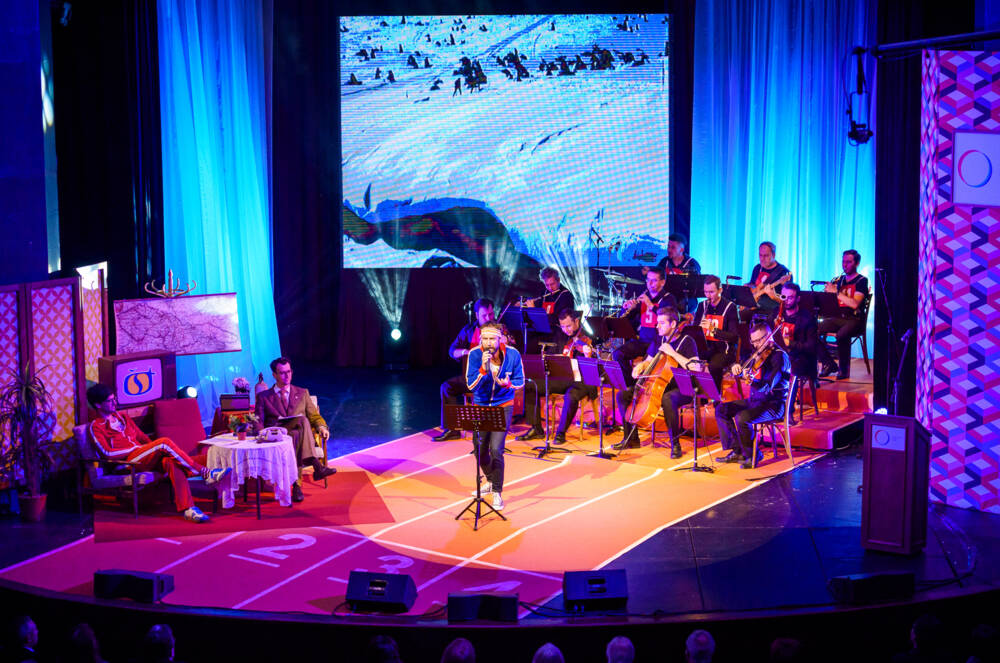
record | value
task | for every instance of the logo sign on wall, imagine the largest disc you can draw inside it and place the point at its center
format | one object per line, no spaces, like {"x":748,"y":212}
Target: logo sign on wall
{"x":139,"y":381}
{"x":976,"y":169}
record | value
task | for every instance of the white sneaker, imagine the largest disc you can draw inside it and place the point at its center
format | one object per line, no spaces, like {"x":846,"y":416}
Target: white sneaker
{"x":485,"y":488}
{"x":217,"y":475}
{"x":497,"y":502}
{"x":195,"y":515}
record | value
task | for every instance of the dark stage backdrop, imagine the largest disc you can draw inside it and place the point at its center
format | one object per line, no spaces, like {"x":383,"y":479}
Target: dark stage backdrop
{"x":897,"y":185}
{"x":327,"y":314}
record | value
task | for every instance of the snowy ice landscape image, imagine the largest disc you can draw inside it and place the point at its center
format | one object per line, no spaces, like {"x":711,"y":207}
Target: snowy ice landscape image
{"x":501,"y":141}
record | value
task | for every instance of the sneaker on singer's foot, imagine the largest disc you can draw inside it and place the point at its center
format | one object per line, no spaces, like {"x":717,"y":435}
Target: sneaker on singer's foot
{"x":216,"y":475}
{"x":485,"y":488}
{"x":497,"y":502}
{"x":195,"y":515}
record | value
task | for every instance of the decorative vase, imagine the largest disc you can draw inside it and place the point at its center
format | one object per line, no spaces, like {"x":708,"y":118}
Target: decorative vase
{"x":241,"y":435}
{"x":33,"y":507}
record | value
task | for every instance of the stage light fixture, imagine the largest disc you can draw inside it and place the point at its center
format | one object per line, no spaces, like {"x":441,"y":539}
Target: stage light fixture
{"x":187,"y":391}
{"x":395,"y":334}
{"x":882,"y":410}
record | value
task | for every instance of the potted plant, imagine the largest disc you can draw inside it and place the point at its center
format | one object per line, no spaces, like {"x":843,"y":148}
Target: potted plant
{"x":241,"y":424}
{"x":26,"y":423}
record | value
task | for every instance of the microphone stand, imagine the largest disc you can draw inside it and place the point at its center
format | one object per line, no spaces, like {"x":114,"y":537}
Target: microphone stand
{"x":891,"y":390}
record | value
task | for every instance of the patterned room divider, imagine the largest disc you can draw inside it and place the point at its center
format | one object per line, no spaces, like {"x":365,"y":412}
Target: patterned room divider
{"x":958,"y":322}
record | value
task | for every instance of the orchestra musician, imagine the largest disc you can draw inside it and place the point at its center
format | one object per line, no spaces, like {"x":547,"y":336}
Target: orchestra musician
{"x":641,"y":312}
{"x":719,"y":318}
{"x":556,"y":297}
{"x":798,"y":331}
{"x":678,"y":262}
{"x":454,"y":389}
{"x":493,"y":375}
{"x":682,"y":349}
{"x":766,"y":275}
{"x":769,"y":370}
{"x":572,"y":342}
{"x":851,"y":289}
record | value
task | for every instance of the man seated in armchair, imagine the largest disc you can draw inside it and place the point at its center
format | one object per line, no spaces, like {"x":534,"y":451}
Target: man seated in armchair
{"x":116,"y":437}
{"x":291,"y":407}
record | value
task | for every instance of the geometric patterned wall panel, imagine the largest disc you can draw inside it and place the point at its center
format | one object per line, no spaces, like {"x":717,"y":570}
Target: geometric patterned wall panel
{"x":958,"y":349}
{"x":54,"y":350}
{"x":10,"y":334}
{"x":93,"y":328}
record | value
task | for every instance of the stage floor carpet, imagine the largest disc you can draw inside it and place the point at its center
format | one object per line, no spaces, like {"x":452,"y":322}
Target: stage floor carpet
{"x":564,"y":512}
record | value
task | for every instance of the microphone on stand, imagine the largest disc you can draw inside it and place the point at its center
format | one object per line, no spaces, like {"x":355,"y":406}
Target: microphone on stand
{"x":734,"y":278}
{"x":818,"y":282}
{"x":593,"y":231}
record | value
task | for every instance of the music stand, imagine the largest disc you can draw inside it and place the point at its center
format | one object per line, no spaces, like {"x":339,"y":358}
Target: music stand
{"x":612,"y":370}
{"x":591,"y":375}
{"x":559,"y":367}
{"x":526,"y":319}
{"x":826,"y":305}
{"x":698,"y":334}
{"x":696,"y":384}
{"x":685,"y":286}
{"x":741,"y":295}
{"x":478,"y":419}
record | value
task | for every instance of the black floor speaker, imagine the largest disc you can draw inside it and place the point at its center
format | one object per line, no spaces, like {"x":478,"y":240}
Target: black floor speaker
{"x":135,"y":585}
{"x":380,"y":592}
{"x":605,"y":591}
{"x":864,"y":588}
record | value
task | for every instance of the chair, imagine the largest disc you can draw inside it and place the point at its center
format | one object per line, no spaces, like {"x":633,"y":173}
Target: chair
{"x":803,"y":381}
{"x":863,"y":336}
{"x":321,"y":444}
{"x":118,"y":477}
{"x":772,"y":424}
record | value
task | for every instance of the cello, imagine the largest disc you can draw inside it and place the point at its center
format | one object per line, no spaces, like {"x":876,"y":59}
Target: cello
{"x":649,"y":387}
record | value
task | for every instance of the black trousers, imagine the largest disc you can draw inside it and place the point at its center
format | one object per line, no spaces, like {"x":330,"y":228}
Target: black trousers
{"x":452,"y":392}
{"x":672,"y":401}
{"x":532,"y":392}
{"x":571,"y":403}
{"x":626,"y":353}
{"x":845,"y":330}
{"x":735,"y":420}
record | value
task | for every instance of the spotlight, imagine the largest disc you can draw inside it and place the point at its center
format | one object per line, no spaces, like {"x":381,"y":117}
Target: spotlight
{"x":882,"y":410}
{"x":859,"y":133}
{"x":187,"y":391}
{"x":395,"y":334}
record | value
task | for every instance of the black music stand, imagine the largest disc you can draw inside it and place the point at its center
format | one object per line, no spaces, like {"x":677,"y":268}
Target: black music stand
{"x":826,"y":305}
{"x":612,"y":370}
{"x":696,"y":384}
{"x":685,"y":286}
{"x":526,"y":319}
{"x":478,"y":419}
{"x":558,"y":367}
{"x":741,"y":295}
{"x":591,"y":375}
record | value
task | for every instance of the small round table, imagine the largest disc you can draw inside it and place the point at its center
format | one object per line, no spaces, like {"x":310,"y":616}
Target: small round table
{"x":274,"y":462}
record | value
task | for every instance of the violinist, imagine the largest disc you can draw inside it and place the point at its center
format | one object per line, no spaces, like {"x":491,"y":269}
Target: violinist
{"x":719,"y":318}
{"x":851,"y":289}
{"x":798,"y":331}
{"x":768,"y":370}
{"x":642,"y":312}
{"x":556,"y":298}
{"x":572,"y":342}
{"x":682,"y":349}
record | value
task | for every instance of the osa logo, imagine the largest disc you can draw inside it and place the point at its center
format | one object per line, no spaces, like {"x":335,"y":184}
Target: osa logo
{"x":138,"y":383}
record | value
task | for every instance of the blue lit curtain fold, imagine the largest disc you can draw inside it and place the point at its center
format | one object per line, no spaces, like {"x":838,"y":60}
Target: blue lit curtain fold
{"x":214,"y":69}
{"x":770,"y":155}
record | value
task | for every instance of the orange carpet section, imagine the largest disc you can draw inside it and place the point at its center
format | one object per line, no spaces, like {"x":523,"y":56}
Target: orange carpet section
{"x":564,"y":512}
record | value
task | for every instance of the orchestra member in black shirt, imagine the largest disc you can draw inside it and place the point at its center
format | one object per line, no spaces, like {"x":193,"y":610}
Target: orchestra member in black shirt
{"x":769,"y":376}
{"x":641,"y":312}
{"x":851,"y":289}
{"x":797,"y":335}
{"x":767,"y":275}
{"x":678,"y":262}
{"x":719,"y":318}
{"x":682,"y":349}
{"x":556,"y":298}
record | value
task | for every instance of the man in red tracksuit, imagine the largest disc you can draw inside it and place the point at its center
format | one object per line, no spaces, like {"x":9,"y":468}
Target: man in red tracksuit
{"x":116,"y":437}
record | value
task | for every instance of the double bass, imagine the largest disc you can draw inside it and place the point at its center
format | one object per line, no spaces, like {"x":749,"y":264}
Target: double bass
{"x":649,"y":388}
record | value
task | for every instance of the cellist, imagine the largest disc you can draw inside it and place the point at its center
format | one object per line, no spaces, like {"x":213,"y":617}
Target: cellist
{"x":679,"y":348}
{"x":769,"y":371}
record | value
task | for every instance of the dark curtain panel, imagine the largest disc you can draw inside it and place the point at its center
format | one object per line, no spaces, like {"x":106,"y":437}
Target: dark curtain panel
{"x":897,"y":185}
{"x":325,"y":314}
{"x":108,"y":141}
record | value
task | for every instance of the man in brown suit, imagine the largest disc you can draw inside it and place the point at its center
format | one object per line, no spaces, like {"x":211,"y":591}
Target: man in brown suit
{"x":291,"y":407}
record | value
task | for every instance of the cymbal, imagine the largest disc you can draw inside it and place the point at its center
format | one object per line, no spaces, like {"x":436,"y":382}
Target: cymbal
{"x":621,"y":278}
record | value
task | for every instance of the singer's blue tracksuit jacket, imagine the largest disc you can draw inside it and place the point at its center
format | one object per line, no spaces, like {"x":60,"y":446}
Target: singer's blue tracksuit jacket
{"x":480,"y":380}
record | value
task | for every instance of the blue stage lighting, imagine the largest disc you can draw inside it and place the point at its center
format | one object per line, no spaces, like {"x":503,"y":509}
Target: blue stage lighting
{"x":187,"y":391}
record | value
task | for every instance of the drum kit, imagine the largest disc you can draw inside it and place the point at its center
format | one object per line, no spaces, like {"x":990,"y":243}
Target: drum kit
{"x":609,"y":301}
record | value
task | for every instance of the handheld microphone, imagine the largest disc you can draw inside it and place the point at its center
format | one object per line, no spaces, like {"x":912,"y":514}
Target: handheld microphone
{"x":907,"y":335}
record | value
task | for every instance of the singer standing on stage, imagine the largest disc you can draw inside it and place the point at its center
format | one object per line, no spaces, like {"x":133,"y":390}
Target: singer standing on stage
{"x":494,"y":374}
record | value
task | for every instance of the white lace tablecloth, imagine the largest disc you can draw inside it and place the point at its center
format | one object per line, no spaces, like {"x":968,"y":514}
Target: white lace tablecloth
{"x":273,"y":462}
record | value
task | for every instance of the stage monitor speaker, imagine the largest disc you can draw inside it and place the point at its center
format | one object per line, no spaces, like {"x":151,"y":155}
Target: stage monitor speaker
{"x":604,"y":591}
{"x":895,"y":484}
{"x":491,"y":606}
{"x":135,"y":585}
{"x":865,"y":588}
{"x":380,"y":592}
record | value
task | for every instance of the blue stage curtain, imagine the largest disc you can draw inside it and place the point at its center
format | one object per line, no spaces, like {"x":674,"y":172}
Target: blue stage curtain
{"x":770,"y":154}
{"x":214,"y":76}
